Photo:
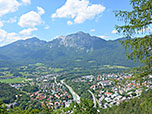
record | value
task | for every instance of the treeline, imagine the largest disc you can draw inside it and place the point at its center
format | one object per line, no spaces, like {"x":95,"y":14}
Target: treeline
{"x":30,"y":89}
{"x":8,"y":93}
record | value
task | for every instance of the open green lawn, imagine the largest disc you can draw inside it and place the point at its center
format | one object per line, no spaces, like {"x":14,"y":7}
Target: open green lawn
{"x":78,"y":60}
{"x":91,"y":61}
{"x":14,"y":80}
{"x":39,"y":64}
{"x":58,"y":69}
{"x":112,"y":67}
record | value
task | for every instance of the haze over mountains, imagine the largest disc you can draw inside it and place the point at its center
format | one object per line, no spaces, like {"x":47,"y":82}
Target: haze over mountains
{"x":76,"y":50}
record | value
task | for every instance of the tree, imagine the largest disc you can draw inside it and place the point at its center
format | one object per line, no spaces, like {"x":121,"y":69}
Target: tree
{"x":138,"y":21}
{"x":86,"y":106}
{"x":3,"y":108}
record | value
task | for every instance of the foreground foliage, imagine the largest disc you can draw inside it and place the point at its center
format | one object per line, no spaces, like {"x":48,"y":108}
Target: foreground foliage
{"x":138,"y":21}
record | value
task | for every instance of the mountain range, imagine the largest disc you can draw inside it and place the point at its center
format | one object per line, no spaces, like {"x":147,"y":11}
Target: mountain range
{"x":75,"y":50}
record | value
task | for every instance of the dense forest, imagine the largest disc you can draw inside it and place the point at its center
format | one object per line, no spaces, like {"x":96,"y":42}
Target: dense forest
{"x":15,"y":97}
{"x":8,"y":93}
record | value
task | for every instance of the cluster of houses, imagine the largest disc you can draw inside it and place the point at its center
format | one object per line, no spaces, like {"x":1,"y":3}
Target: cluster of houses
{"x":109,"y":94}
{"x":55,"y":100}
{"x":51,"y":93}
{"x":55,"y":95}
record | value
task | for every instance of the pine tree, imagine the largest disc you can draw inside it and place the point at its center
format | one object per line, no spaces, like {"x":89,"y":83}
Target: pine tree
{"x":136,"y":21}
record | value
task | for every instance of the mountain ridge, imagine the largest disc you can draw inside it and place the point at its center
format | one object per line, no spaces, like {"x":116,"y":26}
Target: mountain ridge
{"x":66,"y":51}
{"x":62,"y":37}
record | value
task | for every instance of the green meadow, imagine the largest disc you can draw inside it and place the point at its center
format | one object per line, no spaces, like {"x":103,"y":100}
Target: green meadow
{"x":14,"y":80}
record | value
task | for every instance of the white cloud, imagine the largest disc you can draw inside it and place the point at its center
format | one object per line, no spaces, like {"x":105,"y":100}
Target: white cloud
{"x":11,"y":37}
{"x":31,"y":19}
{"x":114,"y":31}
{"x":7,"y":38}
{"x":3,"y":35}
{"x":79,"y":10}
{"x":40,"y":11}
{"x":27,"y":32}
{"x":69,"y":22}
{"x":92,"y":30}
{"x":47,"y":27}
{"x":1,"y":24}
{"x":12,"y":20}
{"x":104,"y":36}
{"x":26,"y":1}
{"x":7,"y":6}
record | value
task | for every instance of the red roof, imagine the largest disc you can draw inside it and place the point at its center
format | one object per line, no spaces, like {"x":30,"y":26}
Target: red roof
{"x":92,"y":86}
{"x":108,"y":93}
{"x":41,"y":98}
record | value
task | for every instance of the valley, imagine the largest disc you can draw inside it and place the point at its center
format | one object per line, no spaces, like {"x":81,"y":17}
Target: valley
{"x":59,"y":73}
{"x":68,"y":73}
{"x":56,"y":87}
{"x":75,"y":57}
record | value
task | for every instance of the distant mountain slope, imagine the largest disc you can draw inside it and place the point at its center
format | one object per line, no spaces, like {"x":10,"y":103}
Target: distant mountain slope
{"x":78,"y":49}
{"x":82,"y":40}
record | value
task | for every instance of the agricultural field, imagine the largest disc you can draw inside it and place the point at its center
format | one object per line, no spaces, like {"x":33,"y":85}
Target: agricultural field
{"x":14,"y":80}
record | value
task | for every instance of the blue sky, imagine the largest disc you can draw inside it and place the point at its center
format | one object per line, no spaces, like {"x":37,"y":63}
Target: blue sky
{"x":46,"y":19}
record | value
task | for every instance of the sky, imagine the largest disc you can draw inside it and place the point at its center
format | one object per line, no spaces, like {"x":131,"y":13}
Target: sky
{"x":47,"y":19}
